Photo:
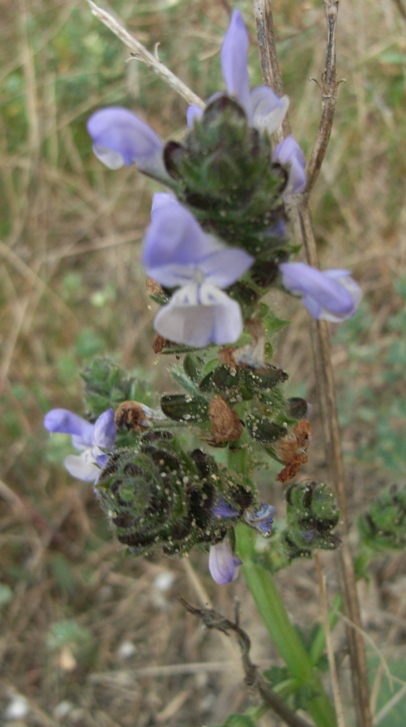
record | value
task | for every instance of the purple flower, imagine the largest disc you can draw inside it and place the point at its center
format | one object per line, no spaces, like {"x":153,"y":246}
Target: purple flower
{"x":331,"y":295}
{"x":289,"y":152}
{"x":261,"y":519}
{"x":120,"y":137}
{"x":223,"y":565}
{"x":178,"y":253}
{"x":264,"y":109}
{"x":223,"y":510}
{"x":90,"y":438}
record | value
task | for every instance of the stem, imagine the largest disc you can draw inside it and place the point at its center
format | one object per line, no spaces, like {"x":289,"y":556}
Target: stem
{"x":284,"y":636}
{"x":272,"y":610}
{"x":301,"y":219}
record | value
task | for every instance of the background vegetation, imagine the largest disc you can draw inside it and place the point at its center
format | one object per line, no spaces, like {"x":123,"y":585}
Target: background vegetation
{"x":88,"y":637}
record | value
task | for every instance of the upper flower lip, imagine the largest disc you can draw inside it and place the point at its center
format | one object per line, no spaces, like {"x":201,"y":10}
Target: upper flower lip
{"x":120,"y":137}
{"x":264,"y":109}
{"x":90,"y":438}
{"x":84,"y":434}
{"x":176,"y":249}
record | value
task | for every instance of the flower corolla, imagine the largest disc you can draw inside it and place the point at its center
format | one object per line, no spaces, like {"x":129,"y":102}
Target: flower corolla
{"x":223,"y":564}
{"x":90,"y":438}
{"x":264,"y":109}
{"x":261,"y":519}
{"x":178,"y":253}
{"x":120,"y":137}
{"x":289,"y":152}
{"x":331,"y":295}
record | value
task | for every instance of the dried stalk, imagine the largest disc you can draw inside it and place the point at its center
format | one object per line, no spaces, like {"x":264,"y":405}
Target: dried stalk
{"x":139,"y":52}
{"x":330,"y":652}
{"x":253,"y":678}
{"x":303,"y":232}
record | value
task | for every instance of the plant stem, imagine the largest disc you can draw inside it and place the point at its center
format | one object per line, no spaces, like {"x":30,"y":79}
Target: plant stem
{"x":301,"y":219}
{"x":272,"y":610}
{"x":284,"y":636}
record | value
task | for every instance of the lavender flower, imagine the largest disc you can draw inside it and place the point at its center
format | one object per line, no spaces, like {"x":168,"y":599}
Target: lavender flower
{"x":331,"y":295}
{"x":289,"y":152}
{"x":90,"y":438}
{"x":178,"y":253}
{"x":261,"y":519}
{"x":265,"y":110}
{"x":120,"y":137}
{"x":223,"y":565}
{"x":223,"y":510}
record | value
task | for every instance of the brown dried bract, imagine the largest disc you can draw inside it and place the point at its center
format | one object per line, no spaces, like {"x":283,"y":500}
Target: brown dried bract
{"x":131,"y":415}
{"x":225,"y":423}
{"x":159,"y":343}
{"x":292,"y":450}
{"x":226,"y":356}
{"x":154,"y":289}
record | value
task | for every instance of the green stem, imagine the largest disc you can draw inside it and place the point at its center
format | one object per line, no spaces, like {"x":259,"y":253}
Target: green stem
{"x":283,"y":635}
{"x":272,"y":610}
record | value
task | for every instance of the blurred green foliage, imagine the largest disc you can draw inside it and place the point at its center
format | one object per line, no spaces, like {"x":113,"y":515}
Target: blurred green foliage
{"x":372,"y":394}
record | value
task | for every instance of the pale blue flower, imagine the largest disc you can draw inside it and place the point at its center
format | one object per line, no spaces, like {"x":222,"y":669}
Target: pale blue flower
{"x":289,"y":152}
{"x":261,"y":519}
{"x":120,"y":137}
{"x":223,"y":510}
{"x":90,"y":438}
{"x":223,"y":565}
{"x":331,"y":295}
{"x":178,"y":253}
{"x":264,"y":109}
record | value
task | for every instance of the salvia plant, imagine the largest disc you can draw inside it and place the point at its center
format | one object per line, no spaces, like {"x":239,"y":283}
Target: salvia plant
{"x":178,"y":471}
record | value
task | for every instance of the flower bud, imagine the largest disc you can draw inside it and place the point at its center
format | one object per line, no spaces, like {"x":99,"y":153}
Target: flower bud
{"x":312,"y":515}
{"x":161,"y":498}
{"x":383,"y":526}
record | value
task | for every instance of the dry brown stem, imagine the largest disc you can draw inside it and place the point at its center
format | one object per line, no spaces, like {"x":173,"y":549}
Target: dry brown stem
{"x":301,"y":219}
{"x":139,"y":52}
{"x":328,"y":87}
{"x":253,"y":678}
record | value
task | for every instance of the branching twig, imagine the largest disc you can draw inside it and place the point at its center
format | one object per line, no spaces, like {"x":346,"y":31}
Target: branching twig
{"x":253,"y":678}
{"x":401,"y":7}
{"x":142,"y":54}
{"x":328,"y":88}
{"x":301,"y":219}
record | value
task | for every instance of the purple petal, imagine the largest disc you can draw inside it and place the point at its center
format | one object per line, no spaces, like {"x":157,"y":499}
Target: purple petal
{"x":331,"y":295}
{"x":261,"y":519}
{"x":234,"y":61}
{"x":289,"y":152}
{"x":160,"y":200}
{"x":174,"y":245}
{"x":268,"y":110}
{"x":192,"y":114}
{"x":223,"y":565}
{"x":63,"y":421}
{"x":83,"y":466}
{"x":116,"y":132}
{"x":199,"y":315}
{"x":223,"y":510}
{"x":224,"y":267}
{"x":105,"y":429}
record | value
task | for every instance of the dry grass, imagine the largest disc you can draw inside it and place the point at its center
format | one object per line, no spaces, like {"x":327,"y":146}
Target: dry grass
{"x":84,"y":629}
